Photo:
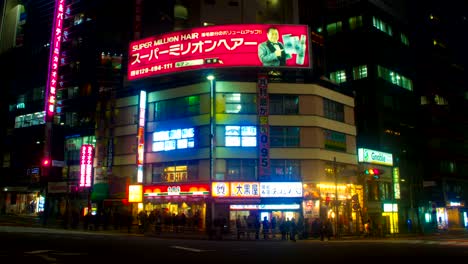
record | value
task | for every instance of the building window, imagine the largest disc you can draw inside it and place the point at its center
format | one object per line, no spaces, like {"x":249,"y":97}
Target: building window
{"x":177,"y":108}
{"x":360,"y":72}
{"x":382,"y":26}
{"x":334,"y":28}
{"x":395,"y":78}
{"x":404,"y":39}
{"x":284,"y":136}
{"x":237,"y":103}
{"x":180,"y":171}
{"x":285,"y":170}
{"x":240,"y":136}
{"x":335,"y":140}
{"x":355,"y":22}
{"x":173,"y":139}
{"x":338,"y":76}
{"x":284,"y":104}
{"x":333,"y":110}
{"x":241,"y":169}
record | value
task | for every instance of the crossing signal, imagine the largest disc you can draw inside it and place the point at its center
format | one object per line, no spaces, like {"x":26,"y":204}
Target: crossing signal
{"x":45,"y":162}
{"x":375,"y":173}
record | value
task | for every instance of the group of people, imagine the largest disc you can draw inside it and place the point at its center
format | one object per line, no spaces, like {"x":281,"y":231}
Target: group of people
{"x":288,"y":228}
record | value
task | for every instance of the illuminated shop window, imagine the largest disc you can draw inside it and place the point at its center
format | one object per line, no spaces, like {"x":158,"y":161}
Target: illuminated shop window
{"x":174,"y":139}
{"x":241,"y":136}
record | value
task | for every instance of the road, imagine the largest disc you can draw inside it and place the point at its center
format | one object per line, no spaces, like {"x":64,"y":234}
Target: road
{"x":48,"y":245}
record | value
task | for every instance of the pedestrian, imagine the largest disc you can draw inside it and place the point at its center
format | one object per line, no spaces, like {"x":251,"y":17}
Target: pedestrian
{"x":292,"y":230}
{"x":266,"y":227}
{"x":273,"y":226}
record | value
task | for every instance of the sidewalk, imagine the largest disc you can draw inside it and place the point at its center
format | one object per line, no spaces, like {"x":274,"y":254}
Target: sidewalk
{"x":35,"y":221}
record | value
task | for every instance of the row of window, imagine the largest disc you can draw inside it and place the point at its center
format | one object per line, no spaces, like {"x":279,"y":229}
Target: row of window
{"x":237,"y":103}
{"x":360,"y":72}
{"x":236,"y":170}
{"x":357,"y":21}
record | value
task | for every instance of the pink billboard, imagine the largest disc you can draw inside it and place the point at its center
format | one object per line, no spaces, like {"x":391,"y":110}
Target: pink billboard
{"x":249,"y":45}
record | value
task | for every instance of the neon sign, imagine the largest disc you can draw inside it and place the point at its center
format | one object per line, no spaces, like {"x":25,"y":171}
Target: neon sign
{"x":141,"y":136}
{"x":219,"y":47}
{"x":54,"y":60}
{"x":86,"y":165}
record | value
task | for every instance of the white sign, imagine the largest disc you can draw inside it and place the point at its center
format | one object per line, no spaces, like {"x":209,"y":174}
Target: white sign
{"x":264,"y":206}
{"x":375,"y":157}
{"x":280,"y":189}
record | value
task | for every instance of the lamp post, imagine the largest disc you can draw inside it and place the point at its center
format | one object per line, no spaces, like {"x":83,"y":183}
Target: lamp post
{"x":211,"y":79}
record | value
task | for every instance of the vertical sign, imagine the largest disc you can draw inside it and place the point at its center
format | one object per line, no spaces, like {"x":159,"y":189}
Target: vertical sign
{"x":54,"y":61}
{"x":396,"y":183}
{"x":86,"y":165}
{"x":264,"y":135}
{"x":141,"y":136}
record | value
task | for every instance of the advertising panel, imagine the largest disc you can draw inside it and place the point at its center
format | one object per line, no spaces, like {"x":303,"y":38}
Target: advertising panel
{"x":86,"y":165}
{"x":246,"y":45}
{"x":375,"y":157}
{"x":257,"y":189}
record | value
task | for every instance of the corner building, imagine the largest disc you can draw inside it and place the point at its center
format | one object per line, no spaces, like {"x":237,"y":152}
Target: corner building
{"x":311,"y":136}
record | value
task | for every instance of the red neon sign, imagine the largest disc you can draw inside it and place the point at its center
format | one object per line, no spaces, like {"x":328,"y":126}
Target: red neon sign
{"x":54,"y":60}
{"x":86,"y":165}
{"x":218,"y":47}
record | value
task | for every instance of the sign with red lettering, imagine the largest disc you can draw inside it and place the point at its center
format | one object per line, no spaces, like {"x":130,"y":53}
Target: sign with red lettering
{"x":246,"y":45}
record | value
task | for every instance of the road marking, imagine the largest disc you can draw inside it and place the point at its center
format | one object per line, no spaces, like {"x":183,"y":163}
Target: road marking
{"x":189,"y":249}
{"x":38,"y":251}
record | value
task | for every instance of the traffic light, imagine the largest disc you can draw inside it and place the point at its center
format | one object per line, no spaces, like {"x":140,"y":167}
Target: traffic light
{"x":46,"y":162}
{"x":375,"y":173}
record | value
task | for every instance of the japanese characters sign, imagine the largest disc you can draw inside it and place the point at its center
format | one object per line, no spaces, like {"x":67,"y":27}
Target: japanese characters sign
{"x":256,"y":189}
{"x":264,"y":135}
{"x":86,"y":165}
{"x":135,"y":192}
{"x":246,"y":45}
{"x":54,"y":60}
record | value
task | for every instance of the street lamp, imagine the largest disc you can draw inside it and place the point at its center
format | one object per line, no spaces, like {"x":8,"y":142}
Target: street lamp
{"x":211,"y":79}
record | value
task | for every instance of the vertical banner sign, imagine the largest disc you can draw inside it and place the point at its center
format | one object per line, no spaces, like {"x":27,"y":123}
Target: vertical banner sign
{"x":264,"y":135}
{"x":54,"y":61}
{"x":141,"y":136}
{"x":86,"y":165}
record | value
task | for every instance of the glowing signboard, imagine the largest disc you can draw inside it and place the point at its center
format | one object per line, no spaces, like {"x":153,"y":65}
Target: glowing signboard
{"x":86,"y":165}
{"x":264,"y":206}
{"x":54,"y":60}
{"x":135,"y":193}
{"x":256,"y":189}
{"x":375,"y":157}
{"x":176,"y":190}
{"x":141,"y":136}
{"x":246,"y":45}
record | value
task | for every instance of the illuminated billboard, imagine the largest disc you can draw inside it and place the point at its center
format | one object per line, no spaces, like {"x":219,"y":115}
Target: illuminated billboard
{"x":256,"y":189}
{"x":86,"y":165}
{"x":54,"y":58}
{"x":246,"y":45}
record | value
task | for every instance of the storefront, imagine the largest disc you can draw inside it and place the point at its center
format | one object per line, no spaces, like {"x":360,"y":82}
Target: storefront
{"x":250,"y":201}
{"x":178,"y":201}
